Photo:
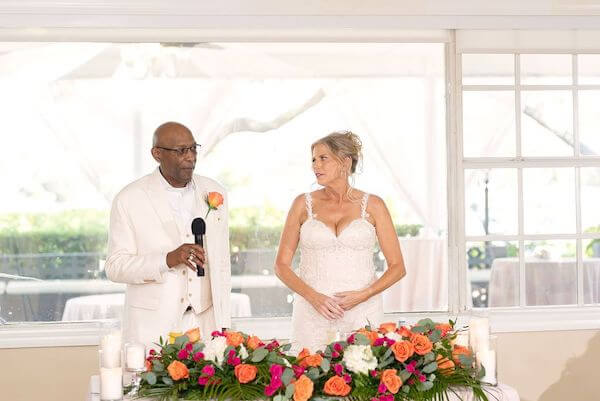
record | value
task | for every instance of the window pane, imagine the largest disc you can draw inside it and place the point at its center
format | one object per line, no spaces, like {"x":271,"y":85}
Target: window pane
{"x":589,"y":122}
{"x":488,"y":69}
{"x":590,"y":193}
{"x":591,"y":271}
{"x":547,"y":123}
{"x":489,"y":124}
{"x":550,"y":272}
{"x":589,"y":69}
{"x":491,"y":201}
{"x":84,"y":130}
{"x":549,"y":200}
{"x":492,"y":279}
{"x":546,"y":69}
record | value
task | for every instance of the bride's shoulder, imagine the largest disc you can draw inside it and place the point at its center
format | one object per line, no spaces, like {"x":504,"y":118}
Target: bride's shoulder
{"x":299,"y":202}
{"x":375,"y":203}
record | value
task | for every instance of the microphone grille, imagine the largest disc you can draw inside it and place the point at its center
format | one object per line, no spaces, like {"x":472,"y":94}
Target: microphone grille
{"x":198,"y":226}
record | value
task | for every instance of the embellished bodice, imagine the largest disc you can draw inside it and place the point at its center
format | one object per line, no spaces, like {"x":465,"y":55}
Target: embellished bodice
{"x":331,"y":263}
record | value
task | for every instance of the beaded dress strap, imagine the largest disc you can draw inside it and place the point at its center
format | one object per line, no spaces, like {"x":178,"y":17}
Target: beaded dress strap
{"x":363,"y":206}
{"x":308,"y":200}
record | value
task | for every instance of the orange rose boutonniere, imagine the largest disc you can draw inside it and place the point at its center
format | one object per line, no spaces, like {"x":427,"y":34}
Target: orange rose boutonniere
{"x":213,"y":201}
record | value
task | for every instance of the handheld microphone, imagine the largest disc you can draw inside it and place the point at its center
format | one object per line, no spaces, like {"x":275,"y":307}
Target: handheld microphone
{"x":199,"y":229}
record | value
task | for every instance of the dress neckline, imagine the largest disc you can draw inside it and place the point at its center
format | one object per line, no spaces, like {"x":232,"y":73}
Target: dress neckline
{"x":333,"y":231}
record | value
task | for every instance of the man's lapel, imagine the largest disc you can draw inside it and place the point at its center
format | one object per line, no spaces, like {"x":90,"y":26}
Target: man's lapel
{"x":200,"y":210}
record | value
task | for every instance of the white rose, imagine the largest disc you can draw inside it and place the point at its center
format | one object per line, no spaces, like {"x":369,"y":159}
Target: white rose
{"x":243,"y":352}
{"x":215,"y":350}
{"x":359,"y":359}
{"x":394,"y":336}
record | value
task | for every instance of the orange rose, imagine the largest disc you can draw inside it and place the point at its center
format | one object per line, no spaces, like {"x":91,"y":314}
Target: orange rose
{"x":306,"y":359}
{"x":387,"y":327}
{"x":336,"y":385}
{"x":303,"y":388}
{"x":303,"y":354}
{"x":312,"y":360}
{"x":421,"y":343}
{"x":392,"y":381}
{"x":214,"y":200}
{"x":445,"y":365}
{"x":148,"y":365}
{"x":193,"y":335}
{"x":403,"y":350}
{"x":371,"y":335}
{"x":178,"y":370}
{"x":405,"y":332}
{"x":234,"y":338}
{"x":245,"y":373}
{"x":459,"y":350}
{"x":444,"y":328}
{"x":253,"y":342}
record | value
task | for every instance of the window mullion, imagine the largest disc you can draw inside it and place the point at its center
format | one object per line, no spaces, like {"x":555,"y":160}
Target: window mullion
{"x":577,"y":149}
{"x":522,"y":284}
{"x":457,"y":276}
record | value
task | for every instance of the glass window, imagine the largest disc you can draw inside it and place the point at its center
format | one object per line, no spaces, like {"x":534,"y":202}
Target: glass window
{"x":79,"y":128}
{"x":526,"y":216}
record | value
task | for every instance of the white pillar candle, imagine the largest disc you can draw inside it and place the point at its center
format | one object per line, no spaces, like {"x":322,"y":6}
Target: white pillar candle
{"x":111,"y":383}
{"x":110,"y":345}
{"x":487,"y":358}
{"x":135,"y":355}
{"x":479,"y":333}
{"x":111,"y":339}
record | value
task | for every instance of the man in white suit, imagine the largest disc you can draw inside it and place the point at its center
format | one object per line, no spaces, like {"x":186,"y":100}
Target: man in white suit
{"x":151,"y":246}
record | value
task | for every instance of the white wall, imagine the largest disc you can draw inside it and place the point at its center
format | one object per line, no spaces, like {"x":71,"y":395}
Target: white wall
{"x":542,"y":366}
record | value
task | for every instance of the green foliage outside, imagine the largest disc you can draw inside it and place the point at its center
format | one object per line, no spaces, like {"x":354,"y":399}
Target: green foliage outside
{"x":87,"y":231}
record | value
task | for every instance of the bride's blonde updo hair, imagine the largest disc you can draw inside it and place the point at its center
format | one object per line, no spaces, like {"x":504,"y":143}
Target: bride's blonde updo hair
{"x":343,"y":144}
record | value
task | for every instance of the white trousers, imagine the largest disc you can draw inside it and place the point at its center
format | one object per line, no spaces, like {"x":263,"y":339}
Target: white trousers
{"x":204,"y":320}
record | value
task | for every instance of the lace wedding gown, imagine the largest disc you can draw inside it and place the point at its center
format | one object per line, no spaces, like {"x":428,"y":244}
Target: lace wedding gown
{"x":330,"y":264}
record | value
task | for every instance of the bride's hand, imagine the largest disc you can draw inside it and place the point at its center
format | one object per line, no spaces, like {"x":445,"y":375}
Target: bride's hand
{"x":326,"y":306}
{"x":349,"y":299}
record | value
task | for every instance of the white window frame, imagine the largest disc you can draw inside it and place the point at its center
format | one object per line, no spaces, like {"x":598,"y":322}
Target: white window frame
{"x":523,"y":317}
{"x":503,"y":319}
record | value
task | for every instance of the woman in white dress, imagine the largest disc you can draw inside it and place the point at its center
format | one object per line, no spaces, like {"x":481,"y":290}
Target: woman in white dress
{"x":336,"y":229}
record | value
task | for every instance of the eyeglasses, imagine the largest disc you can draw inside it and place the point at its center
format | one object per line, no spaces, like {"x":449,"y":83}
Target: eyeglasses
{"x":182,"y":151}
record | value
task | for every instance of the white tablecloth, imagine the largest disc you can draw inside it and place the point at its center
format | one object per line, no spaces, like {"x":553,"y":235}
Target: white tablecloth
{"x":110,"y":306}
{"x":425,"y":286}
{"x":502,"y":392}
{"x":547,"y":282}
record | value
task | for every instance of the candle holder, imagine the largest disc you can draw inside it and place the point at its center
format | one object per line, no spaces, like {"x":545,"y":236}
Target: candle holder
{"x":111,"y":374}
{"x":488,"y":359}
{"x":479,"y":333}
{"x":135,"y":364}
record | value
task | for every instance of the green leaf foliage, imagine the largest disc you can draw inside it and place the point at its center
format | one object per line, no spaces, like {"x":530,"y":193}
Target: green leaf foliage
{"x":259,"y":354}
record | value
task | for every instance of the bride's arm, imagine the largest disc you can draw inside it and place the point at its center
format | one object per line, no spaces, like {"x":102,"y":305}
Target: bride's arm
{"x":288,"y":244}
{"x":389,"y":244}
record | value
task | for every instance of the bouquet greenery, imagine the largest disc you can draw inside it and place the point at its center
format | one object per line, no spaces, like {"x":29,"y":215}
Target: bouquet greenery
{"x":383,"y":364}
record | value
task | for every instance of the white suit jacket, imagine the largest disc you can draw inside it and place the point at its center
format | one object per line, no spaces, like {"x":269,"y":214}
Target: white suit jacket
{"x":142,"y":231}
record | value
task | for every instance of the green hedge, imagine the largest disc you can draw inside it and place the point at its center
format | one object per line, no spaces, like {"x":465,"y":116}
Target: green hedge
{"x":63,"y":241}
{"x":86,"y":231}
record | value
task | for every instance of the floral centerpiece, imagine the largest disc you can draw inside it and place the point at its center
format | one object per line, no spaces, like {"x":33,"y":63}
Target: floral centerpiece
{"x":383,"y":364}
